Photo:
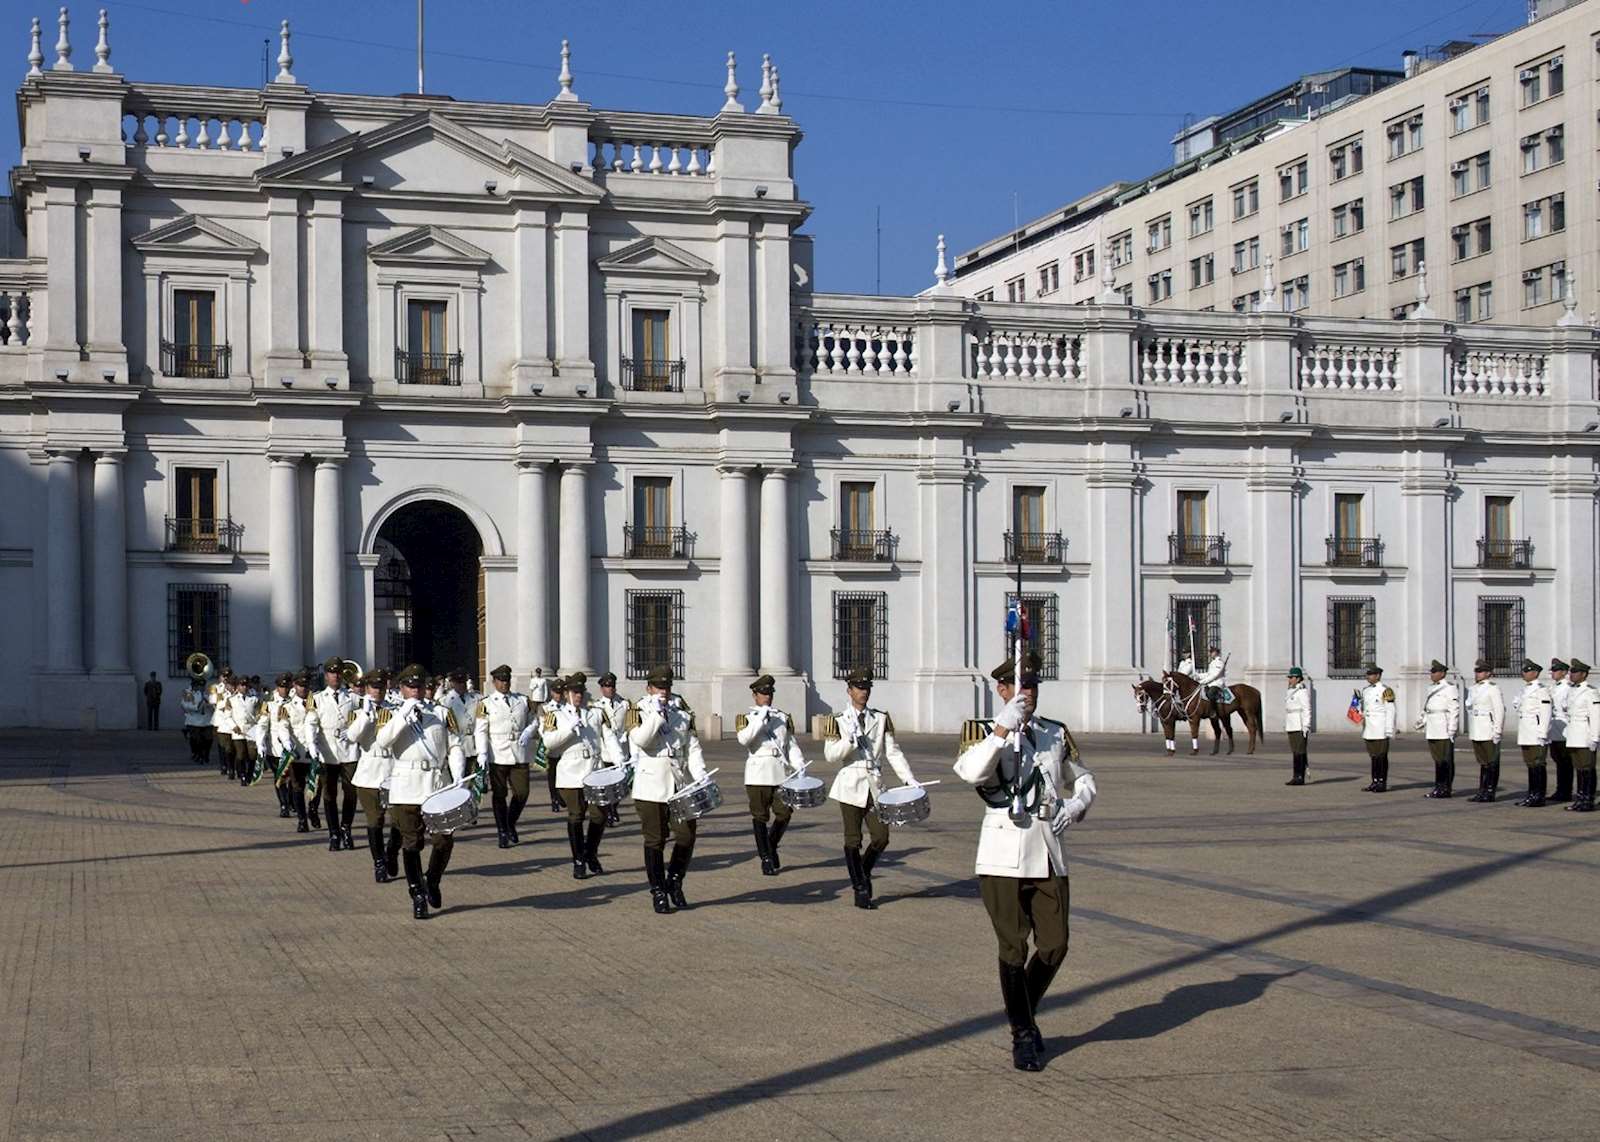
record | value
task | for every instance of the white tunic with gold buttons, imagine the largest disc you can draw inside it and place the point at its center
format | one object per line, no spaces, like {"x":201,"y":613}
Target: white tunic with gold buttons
{"x":665,"y":750}
{"x":426,"y":749}
{"x":767,"y":733}
{"x":1033,"y":851}
{"x":502,"y":722}
{"x":584,"y":740}
{"x":859,"y":742}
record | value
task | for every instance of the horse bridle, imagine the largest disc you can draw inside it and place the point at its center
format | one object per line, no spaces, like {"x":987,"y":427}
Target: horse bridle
{"x":1169,"y":691}
{"x":1146,"y":702}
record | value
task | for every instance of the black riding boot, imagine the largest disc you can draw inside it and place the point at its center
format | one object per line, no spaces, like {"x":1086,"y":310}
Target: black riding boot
{"x":502,"y":838}
{"x":311,"y":812}
{"x":285,"y":811}
{"x":1485,"y":791}
{"x":580,"y":871}
{"x":658,"y":881}
{"x":419,"y":896}
{"x":1438,"y":780}
{"x":1380,"y":783}
{"x":1019,"y":1012}
{"x":1299,"y":778}
{"x":380,"y":869}
{"x":591,"y":847}
{"x":1372,"y":769}
{"x":676,"y":867}
{"x":391,"y":853}
{"x":763,"y":847}
{"x":852,"y":861}
{"x":513,"y":815}
{"x":335,"y":838}
{"x":1494,"y":779}
{"x":1563,"y":791}
{"x":613,"y":817}
{"x":558,"y":803}
{"x":1450,"y":774}
{"x":438,"y":861}
{"x":774,"y":835}
{"x":1583,"y":782}
{"x":297,"y":798}
{"x":1538,"y":782}
{"x":1039,"y":976}
{"x":869,"y":857}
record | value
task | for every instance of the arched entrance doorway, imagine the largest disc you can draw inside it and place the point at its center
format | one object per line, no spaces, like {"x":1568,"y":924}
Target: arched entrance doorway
{"x":429,"y":594}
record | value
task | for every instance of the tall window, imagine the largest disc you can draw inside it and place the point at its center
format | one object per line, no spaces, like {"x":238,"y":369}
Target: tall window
{"x":196,"y":508}
{"x":1042,"y":638}
{"x":1296,"y":237}
{"x":1293,"y":180}
{"x":1497,"y":519}
{"x":655,"y":631}
{"x":427,"y":342}
{"x":1352,"y":635}
{"x":857,"y":507}
{"x":1202,"y":270}
{"x":1160,"y":233}
{"x":1246,"y":199}
{"x":1193,"y":625}
{"x":651,"y":537}
{"x":1344,"y":160}
{"x":1500,"y":631}
{"x":652,"y":350}
{"x":1049,"y":277}
{"x":1350,"y":218}
{"x":1083,"y":264}
{"x":1347,"y":516}
{"x":1017,"y":289}
{"x":860,"y":633}
{"x":197,"y":620}
{"x":1027,"y":512}
{"x":1201,"y":218}
{"x":194,"y":333}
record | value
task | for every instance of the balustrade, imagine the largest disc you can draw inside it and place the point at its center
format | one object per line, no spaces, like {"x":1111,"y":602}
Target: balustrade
{"x":1191,"y":361}
{"x":191,"y":130}
{"x":1497,"y":374}
{"x":1350,"y":368}
{"x":632,"y":155}
{"x":830,"y":348}
{"x":16,"y":315}
{"x":1001,"y":353}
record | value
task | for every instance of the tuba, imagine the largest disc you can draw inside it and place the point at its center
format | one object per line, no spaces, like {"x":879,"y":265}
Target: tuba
{"x":199,"y":666}
{"x":350,"y":671}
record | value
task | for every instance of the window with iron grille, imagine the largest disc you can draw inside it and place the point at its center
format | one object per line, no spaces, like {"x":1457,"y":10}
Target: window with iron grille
{"x":1352,"y":635}
{"x":1500,"y":632}
{"x":655,"y":631}
{"x":197,"y":619}
{"x":860,"y":633}
{"x":1203,"y":612}
{"x":1042,"y":639}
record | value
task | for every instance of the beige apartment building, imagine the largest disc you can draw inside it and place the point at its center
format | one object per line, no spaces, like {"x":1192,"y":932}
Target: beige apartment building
{"x":1479,"y":162}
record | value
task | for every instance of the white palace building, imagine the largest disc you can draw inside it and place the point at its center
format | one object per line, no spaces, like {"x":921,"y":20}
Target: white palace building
{"x":286,"y":373}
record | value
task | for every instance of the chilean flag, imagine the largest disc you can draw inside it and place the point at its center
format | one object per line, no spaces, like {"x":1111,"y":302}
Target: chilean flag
{"x":1017,"y":620}
{"x":1354,"y":712}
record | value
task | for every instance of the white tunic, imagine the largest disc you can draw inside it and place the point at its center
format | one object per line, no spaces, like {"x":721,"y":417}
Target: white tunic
{"x":1441,"y":712}
{"x":1377,"y":712}
{"x":1297,"y":708}
{"x":865,"y":739}
{"x":1560,"y":693}
{"x":427,"y":753}
{"x":1583,"y":716}
{"x":1533,"y":714}
{"x":1486,"y":712}
{"x":502,"y":724}
{"x":280,"y":736}
{"x":465,"y":709}
{"x":196,"y":704}
{"x":373,"y":765}
{"x":585,"y":742}
{"x":768,"y":736}
{"x":330,"y":710}
{"x":539,"y":690}
{"x":1035,"y":851}
{"x":244,"y":712}
{"x":219,"y":695}
{"x":665,"y":751}
{"x":616,"y":709}
{"x":1216,"y":673}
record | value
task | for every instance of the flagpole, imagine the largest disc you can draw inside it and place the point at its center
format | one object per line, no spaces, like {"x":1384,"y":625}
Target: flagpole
{"x":419,"y":47}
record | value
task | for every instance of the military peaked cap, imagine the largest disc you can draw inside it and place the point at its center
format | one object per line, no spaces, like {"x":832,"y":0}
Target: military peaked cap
{"x":1579,"y":666}
{"x":661,"y":678}
{"x":458,"y":675}
{"x":1557,"y":664}
{"x":1529,"y":664}
{"x":502,"y":672}
{"x":333,"y":665}
{"x":1437,"y":667}
{"x":1373,"y":668}
{"x":413,"y":675}
{"x":304,"y":678}
{"x":1296,"y":672}
{"x":285,"y":679}
{"x":1007,"y":671}
{"x":608,"y":679}
{"x":577,"y":680}
{"x":1482,"y":666}
{"x":860,"y":679}
{"x":764,"y":685}
{"x":558,"y":684}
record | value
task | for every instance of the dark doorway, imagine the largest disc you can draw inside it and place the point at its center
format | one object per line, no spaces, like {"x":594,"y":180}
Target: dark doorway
{"x":428,"y":590}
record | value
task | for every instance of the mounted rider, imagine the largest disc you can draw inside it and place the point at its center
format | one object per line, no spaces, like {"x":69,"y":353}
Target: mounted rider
{"x":1214,"y":682}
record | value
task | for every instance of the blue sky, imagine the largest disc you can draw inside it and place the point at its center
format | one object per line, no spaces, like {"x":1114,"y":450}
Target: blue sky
{"x":933,"y":113}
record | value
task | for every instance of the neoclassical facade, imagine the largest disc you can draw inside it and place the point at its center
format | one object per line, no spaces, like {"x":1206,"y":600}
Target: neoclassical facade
{"x":286,"y":373}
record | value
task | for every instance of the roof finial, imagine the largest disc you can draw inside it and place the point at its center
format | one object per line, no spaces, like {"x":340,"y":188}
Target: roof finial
{"x":1269,"y":291}
{"x":567,"y":95}
{"x":35,"y":54}
{"x":285,"y":60}
{"x":941,"y":272}
{"x":777,"y":99}
{"x":766,"y":83}
{"x":102,"y":50}
{"x":63,"y":45}
{"x":731,"y":88}
{"x":1570,"y":303}
{"x":1421,"y":311}
{"x":1108,"y":277}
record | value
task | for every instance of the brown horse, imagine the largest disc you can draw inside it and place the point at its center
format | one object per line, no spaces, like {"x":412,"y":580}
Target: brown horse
{"x":1153,"y":696}
{"x":1191,"y":700}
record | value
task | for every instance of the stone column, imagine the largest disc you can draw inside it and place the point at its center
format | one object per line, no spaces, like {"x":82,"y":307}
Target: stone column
{"x":573,"y":575}
{"x":105,"y":272}
{"x":532,"y":260}
{"x":947,"y":686}
{"x":283,"y":539}
{"x":110,"y":567}
{"x":1276,"y":619}
{"x":733,"y":575}
{"x":735,"y":299}
{"x":777,"y":573}
{"x":1425,"y":491}
{"x":64,"y":566}
{"x":774,"y":338}
{"x":327,"y":560}
{"x":1576,"y":600}
{"x":57,"y":332}
{"x":1113,"y":621}
{"x":283,"y":285}
{"x":572,"y":296}
{"x":533,"y":564}
{"x":325,"y":300}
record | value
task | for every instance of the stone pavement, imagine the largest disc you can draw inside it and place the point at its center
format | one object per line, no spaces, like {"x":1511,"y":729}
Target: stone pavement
{"x":1248,"y":961}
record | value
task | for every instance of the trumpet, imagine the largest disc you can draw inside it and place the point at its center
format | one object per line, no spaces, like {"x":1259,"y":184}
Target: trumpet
{"x":199,"y":666}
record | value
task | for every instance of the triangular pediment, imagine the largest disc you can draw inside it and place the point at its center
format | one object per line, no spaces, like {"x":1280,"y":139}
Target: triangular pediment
{"x":433,"y":245}
{"x":191,"y":234}
{"x":515,"y":168}
{"x":655,"y":257}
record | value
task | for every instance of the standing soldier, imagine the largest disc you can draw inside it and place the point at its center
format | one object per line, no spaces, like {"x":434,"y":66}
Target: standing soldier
{"x":331,"y":709}
{"x":538,"y":687}
{"x":1440,"y":722}
{"x":858,"y":739}
{"x":1533,"y":731}
{"x":1377,"y":726}
{"x":767,"y":733}
{"x":1296,"y":721}
{"x":1034,"y":793}
{"x":152,"y":702}
{"x":1583,"y":731}
{"x":427,"y":755}
{"x":666,"y":757}
{"x":1560,"y":691}
{"x":504,"y":722}
{"x":616,"y":708}
{"x":463,"y":703}
{"x":196,"y":703}
{"x":1486,"y":717}
{"x":374,"y":767}
{"x":583,"y":737}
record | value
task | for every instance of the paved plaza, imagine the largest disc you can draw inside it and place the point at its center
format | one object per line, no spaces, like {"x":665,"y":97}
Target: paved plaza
{"x":1248,"y":961}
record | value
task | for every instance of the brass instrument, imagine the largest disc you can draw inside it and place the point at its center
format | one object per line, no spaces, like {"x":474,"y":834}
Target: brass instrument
{"x":350,"y":671}
{"x":199,"y":666}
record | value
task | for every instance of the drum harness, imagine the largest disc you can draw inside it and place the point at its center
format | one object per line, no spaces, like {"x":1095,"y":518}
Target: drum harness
{"x":1025,"y":793}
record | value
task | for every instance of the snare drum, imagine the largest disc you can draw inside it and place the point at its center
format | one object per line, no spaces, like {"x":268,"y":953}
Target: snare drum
{"x":449,"y":809}
{"x":694,"y":801}
{"x":904,"y":806}
{"x":607,"y":787}
{"x":802,"y":792}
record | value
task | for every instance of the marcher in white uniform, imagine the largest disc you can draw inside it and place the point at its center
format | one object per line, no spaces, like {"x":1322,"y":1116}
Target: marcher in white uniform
{"x":504,"y":724}
{"x":582,"y":736}
{"x":859,"y":739}
{"x":426,"y":747}
{"x":1533,"y":708}
{"x":773,"y":756}
{"x":1297,"y":722}
{"x":1560,"y":693}
{"x":1377,"y":726}
{"x":463,"y":703}
{"x":1486,"y":717}
{"x":374,"y":767}
{"x":331,"y":708}
{"x":1583,"y":733}
{"x":196,"y":705}
{"x":616,"y":708}
{"x":666,"y":756}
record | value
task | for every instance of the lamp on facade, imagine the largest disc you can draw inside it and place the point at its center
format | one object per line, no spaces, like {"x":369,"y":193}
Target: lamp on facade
{"x":1442,"y":422}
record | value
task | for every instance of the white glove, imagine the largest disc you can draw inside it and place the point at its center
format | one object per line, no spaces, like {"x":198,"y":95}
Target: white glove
{"x":1012,"y":715}
{"x":409,"y":708}
{"x":1067,"y":813}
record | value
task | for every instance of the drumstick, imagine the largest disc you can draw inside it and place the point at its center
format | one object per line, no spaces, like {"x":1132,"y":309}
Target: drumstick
{"x":925,"y":784}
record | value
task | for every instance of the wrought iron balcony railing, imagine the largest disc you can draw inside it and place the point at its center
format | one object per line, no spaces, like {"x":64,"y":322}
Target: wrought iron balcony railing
{"x":1186,"y":550}
{"x":427,"y":368}
{"x":203,"y":536}
{"x":1505,"y":554}
{"x":1035,"y":547}
{"x":1351,"y":551}
{"x":202,"y":361}
{"x":652,"y":376}
{"x":655,"y":542}
{"x":853,"y":546}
